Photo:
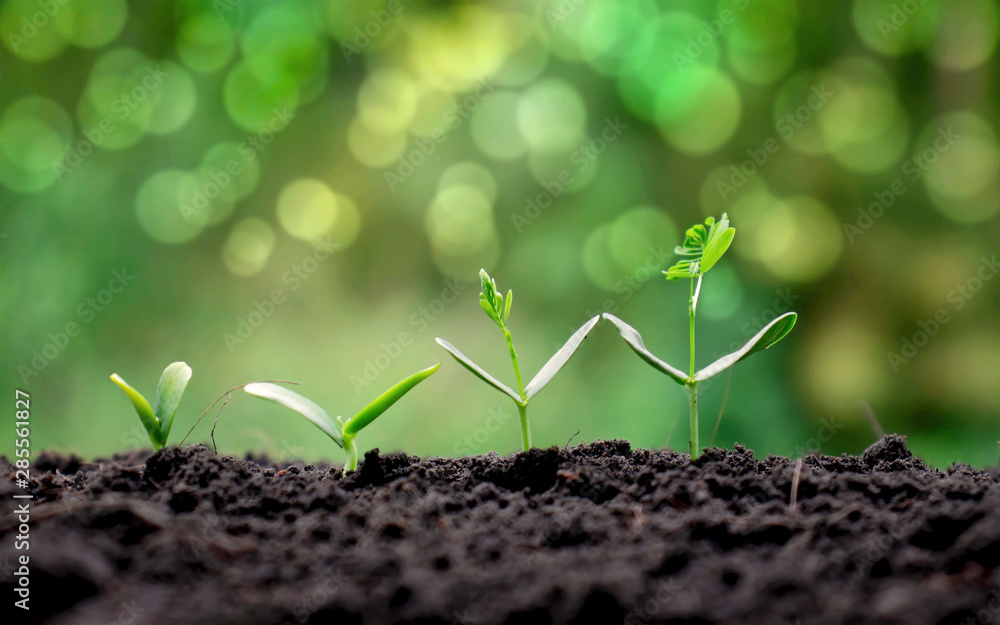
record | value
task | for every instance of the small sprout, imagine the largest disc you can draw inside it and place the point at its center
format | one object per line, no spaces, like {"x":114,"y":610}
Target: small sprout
{"x":340,"y":432}
{"x":157,"y":420}
{"x":499,"y":311}
{"x":703,"y":246}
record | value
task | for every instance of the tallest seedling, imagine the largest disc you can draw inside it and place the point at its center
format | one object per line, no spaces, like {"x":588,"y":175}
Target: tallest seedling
{"x":703,"y":246}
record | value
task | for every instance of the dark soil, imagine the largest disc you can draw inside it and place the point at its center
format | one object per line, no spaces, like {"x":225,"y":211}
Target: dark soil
{"x":599,"y":533}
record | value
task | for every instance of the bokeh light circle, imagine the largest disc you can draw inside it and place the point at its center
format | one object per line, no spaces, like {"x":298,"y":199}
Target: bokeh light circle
{"x":91,"y":24}
{"x":967,"y":36}
{"x":28,"y":32}
{"x":387,"y":101}
{"x":698,"y":110}
{"x":494,"y":127}
{"x":248,"y":246}
{"x":472,"y":174}
{"x":958,"y":157}
{"x":165,"y":207}
{"x":35,"y":134}
{"x":459,"y":220}
{"x":205,"y":44}
{"x":551,"y":116}
{"x":307,"y":209}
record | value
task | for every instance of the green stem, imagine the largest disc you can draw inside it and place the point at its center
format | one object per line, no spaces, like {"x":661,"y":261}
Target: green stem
{"x":691,"y":384}
{"x":525,"y":428}
{"x":351,"y":453}
{"x":513,"y":358}
{"x":691,"y":308}
{"x":693,"y":394}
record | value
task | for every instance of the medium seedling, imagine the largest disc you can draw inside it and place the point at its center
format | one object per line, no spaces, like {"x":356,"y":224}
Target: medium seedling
{"x":342,"y":433}
{"x":493,"y":303}
{"x":158,"y":419}
{"x":703,"y":246}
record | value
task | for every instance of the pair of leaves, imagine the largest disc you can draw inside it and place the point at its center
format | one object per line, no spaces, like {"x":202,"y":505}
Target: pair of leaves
{"x":159,"y":419}
{"x":703,"y":246}
{"x":544,"y":375}
{"x":492,"y":302}
{"x":337,"y":429}
{"x":768,"y":336}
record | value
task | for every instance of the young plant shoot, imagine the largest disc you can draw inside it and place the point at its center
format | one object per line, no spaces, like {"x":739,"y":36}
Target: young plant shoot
{"x":703,"y":246}
{"x":493,"y":303}
{"x":158,"y":419}
{"x":342,"y":433}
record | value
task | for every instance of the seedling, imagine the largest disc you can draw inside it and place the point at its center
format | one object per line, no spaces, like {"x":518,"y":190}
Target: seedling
{"x":342,"y":433}
{"x":493,"y":303}
{"x":703,"y":246}
{"x":157,"y":420}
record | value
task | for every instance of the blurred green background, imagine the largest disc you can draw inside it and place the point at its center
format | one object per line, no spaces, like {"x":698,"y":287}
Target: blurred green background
{"x":306,"y":190}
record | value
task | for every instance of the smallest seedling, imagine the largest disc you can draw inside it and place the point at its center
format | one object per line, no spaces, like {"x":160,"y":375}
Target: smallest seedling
{"x":340,"y":432}
{"x":158,"y":419}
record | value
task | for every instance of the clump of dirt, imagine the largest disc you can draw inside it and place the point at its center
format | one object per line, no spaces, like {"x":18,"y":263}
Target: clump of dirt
{"x":599,"y":533}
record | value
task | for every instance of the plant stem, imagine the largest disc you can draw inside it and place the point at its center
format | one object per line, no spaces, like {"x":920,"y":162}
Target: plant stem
{"x":692,"y":385}
{"x":693,"y":394}
{"x":513,"y":359}
{"x":351,"y":453}
{"x":691,"y":308}
{"x":525,"y":428}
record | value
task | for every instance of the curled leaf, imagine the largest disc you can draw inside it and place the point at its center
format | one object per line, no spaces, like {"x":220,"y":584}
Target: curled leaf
{"x":302,"y":405}
{"x":476,"y":369}
{"x":771,"y":334}
{"x":634,"y":340}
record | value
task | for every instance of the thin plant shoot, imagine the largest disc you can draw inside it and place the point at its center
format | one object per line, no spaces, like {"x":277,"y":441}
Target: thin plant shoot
{"x":703,"y":246}
{"x":496,"y":309}
{"x":342,"y":433}
{"x":160,"y":417}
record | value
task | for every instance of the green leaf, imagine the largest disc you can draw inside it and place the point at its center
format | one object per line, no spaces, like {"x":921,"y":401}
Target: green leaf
{"x":168,"y":395}
{"x":634,"y":341}
{"x":560,"y":358}
{"x":489,"y":311}
{"x":386,"y":399}
{"x":716,"y":248}
{"x":771,"y":334}
{"x":473,"y":367}
{"x":506,"y":310}
{"x":146,"y":414}
{"x":302,"y":405}
{"x":703,"y":247}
